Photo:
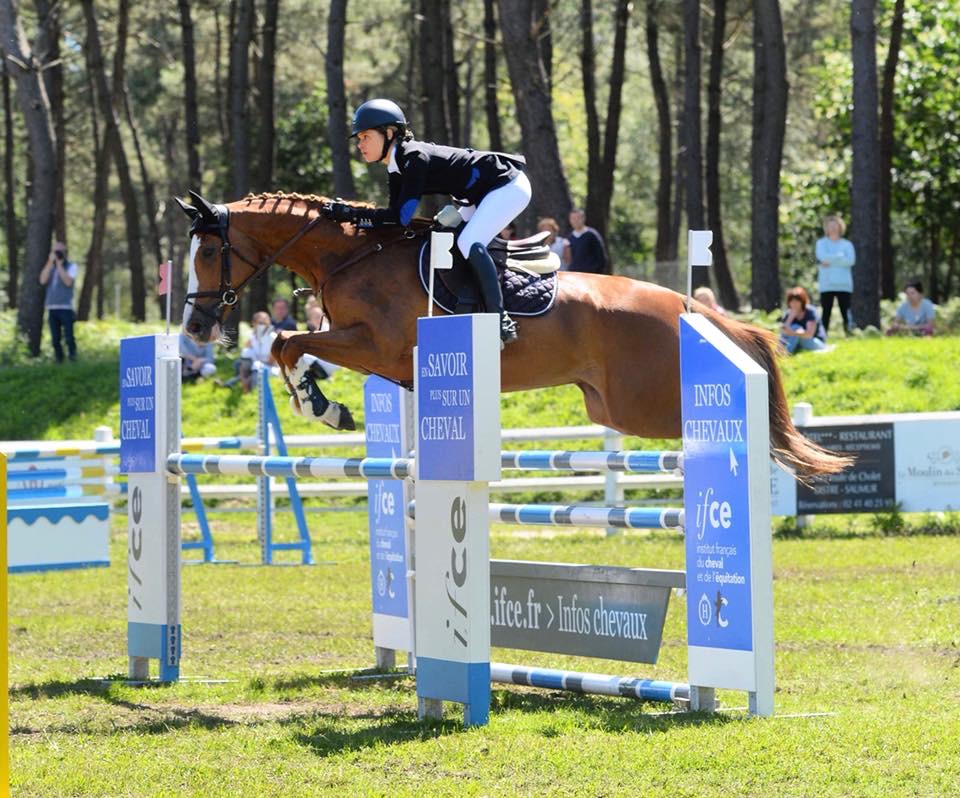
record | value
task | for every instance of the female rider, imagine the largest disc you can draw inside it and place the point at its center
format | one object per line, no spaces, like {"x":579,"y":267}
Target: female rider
{"x":490,"y":187}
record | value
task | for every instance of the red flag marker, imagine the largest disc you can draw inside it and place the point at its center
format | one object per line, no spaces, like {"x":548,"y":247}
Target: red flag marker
{"x":164,"y":286}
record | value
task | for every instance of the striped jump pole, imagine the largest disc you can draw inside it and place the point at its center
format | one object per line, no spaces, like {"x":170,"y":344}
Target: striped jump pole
{"x":631,"y":462}
{"x":592,"y":683}
{"x":582,"y":515}
{"x":587,"y":516}
{"x":366,"y":467}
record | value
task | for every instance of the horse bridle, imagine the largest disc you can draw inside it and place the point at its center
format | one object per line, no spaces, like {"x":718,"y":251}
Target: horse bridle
{"x":227,"y":295}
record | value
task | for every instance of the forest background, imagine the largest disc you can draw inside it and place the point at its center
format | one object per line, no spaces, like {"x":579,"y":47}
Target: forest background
{"x":753,"y":118}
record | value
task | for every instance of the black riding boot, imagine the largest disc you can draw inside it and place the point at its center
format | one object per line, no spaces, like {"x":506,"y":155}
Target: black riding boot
{"x":485,"y":272}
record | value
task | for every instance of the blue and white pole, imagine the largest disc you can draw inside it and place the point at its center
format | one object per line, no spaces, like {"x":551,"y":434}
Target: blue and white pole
{"x":149,"y":434}
{"x":457,"y":372}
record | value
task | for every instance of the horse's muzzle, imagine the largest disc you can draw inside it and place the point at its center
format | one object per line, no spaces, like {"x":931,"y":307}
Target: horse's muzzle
{"x":202,"y":330}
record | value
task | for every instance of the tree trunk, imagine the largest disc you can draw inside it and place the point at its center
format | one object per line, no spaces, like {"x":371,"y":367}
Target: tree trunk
{"x":721,"y":268}
{"x":679,"y":175}
{"x":93,"y":270}
{"x":692,"y":125}
{"x":47,"y":49}
{"x":451,"y":80}
{"x":114,"y":145}
{"x":888,"y":283}
{"x":265,"y":80}
{"x":92,"y":273}
{"x":174,"y":219}
{"x":490,"y":103}
{"x":528,"y":79}
{"x":219,"y":101}
{"x":191,"y":116}
{"x":543,"y":36}
{"x":35,"y":107}
{"x":602,"y":162}
{"x":769,"y":124}
{"x":337,"y":128}
{"x":588,"y":78}
{"x":9,"y":206}
{"x":865,"y":205}
{"x":662,"y":253}
{"x":433,"y":108}
{"x":259,"y":291}
{"x":933,"y":277}
{"x":239,"y":87}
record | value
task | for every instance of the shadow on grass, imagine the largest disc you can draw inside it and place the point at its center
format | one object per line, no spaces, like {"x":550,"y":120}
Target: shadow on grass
{"x":151,"y":720}
{"x":608,"y":714}
{"x":358,"y":680}
{"x":328,"y":737}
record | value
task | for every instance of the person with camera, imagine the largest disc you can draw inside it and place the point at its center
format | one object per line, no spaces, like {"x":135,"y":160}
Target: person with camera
{"x":59,"y":276}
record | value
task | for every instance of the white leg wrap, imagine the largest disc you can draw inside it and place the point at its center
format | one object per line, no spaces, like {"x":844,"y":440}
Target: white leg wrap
{"x":330,"y":415}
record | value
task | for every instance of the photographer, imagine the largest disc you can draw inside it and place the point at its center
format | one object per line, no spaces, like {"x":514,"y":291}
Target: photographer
{"x":59,"y":276}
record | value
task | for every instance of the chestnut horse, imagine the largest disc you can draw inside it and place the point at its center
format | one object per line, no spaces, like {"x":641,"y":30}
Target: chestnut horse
{"x":615,"y":338}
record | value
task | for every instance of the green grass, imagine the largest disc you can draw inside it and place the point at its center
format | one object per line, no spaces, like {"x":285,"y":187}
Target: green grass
{"x":866,"y":628}
{"x":867,"y":613}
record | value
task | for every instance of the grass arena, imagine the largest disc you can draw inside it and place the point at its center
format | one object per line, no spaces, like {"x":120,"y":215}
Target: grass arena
{"x":278,"y":696}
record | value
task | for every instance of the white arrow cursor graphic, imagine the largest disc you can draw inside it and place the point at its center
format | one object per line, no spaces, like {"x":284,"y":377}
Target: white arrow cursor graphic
{"x":550,"y":622}
{"x":734,"y":465}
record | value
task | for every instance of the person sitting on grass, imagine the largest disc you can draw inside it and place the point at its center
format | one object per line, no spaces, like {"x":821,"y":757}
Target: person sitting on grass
{"x":196,"y":359}
{"x":916,"y":315}
{"x":799,"y":326}
{"x":256,"y":354}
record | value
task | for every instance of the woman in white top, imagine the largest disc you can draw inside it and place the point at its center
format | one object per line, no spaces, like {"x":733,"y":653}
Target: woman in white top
{"x":835,"y":258}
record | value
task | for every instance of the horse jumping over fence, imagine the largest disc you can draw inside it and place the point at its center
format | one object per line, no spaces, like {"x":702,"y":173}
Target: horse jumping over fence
{"x":615,"y":338}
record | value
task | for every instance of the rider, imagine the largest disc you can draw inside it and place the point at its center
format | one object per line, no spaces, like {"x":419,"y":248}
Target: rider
{"x":490,"y":187}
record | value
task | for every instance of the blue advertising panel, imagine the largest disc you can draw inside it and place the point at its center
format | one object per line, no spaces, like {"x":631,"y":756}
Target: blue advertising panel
{"x":445,"y":414}
{"x":384,"y":421}
{"x":138,"y":428}
{"x":716,"y":496}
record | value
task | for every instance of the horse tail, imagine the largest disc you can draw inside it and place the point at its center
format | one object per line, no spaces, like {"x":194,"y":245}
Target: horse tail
{"x":787,"y":445}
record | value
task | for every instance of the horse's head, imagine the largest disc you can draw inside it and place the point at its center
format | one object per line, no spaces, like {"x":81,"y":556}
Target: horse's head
{"x":213,"y":268}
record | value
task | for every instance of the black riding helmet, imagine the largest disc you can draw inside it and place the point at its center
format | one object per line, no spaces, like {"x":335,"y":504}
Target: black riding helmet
{"x":379,"y":115}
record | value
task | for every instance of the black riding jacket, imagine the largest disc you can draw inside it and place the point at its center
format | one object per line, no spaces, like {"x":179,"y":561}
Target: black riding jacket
{"x":426,"y":168}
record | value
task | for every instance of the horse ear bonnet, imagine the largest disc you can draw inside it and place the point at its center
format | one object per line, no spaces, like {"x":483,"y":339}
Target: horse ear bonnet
{"x":192,"y":212}
{"x":207,"y":212}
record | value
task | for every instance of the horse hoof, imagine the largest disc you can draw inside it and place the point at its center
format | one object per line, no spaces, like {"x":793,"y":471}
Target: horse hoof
{"x":346,"y":420}
{"x":295,"y":406}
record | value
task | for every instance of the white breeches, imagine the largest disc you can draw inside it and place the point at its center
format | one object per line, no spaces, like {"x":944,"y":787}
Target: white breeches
{"x":495,"y":211}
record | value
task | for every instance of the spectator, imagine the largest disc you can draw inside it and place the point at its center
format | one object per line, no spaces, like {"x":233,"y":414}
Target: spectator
{"x":196,"y":359}
{"x":835,"y":257}
{"x":256,"y":354}
{"x":705,"y":296}
{"x":799,"y":326}
{"x":282,"y":320}
{"x":59,"y":276}
{"x":587,"y":250}
{"x":916,"y":315}
{"x":557,"y":243}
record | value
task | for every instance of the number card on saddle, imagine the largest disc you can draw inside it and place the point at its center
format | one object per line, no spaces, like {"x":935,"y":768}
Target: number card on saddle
{"x":528,"y":277}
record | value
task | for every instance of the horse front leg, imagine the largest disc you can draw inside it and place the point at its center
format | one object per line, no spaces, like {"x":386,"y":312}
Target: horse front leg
{"x":350,"y":347}
{"x":276,"y":351}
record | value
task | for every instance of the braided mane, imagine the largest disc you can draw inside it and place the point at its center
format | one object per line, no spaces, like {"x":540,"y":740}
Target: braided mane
{"x":311,"y":201}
